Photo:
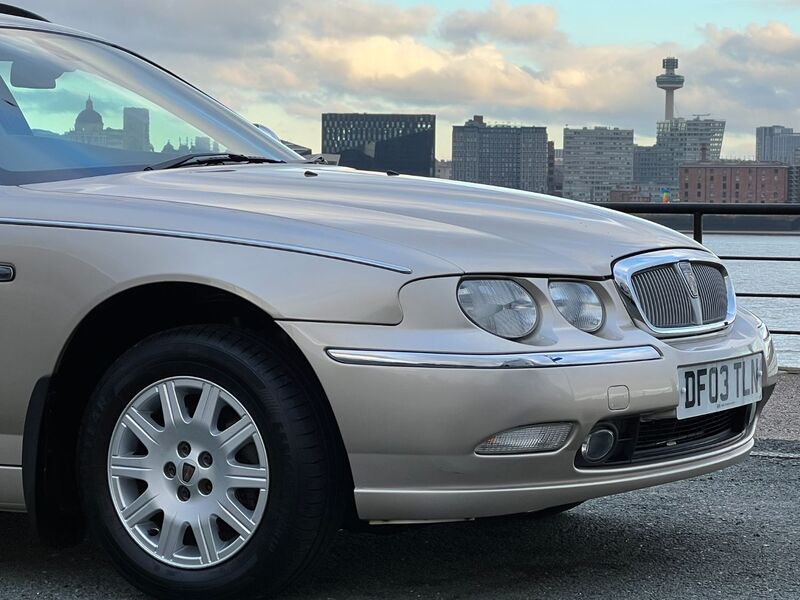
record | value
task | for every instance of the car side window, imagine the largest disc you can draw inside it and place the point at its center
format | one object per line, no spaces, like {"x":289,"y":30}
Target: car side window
{"x":72,"y":107}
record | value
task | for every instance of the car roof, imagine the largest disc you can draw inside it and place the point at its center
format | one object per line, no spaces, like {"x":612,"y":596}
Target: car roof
{"x":8,"y":21}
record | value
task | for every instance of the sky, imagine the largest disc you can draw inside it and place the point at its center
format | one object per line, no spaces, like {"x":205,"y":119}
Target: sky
{"x":561,"y":63}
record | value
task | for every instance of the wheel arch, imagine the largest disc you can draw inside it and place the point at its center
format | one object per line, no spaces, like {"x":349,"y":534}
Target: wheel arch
{"x":110,"y":328}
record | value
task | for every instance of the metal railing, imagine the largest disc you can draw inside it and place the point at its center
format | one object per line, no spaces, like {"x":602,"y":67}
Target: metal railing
{"x":699,"y":210}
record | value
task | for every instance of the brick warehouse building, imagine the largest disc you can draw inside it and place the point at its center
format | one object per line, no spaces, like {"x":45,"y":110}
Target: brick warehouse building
{"x":734,"y":182}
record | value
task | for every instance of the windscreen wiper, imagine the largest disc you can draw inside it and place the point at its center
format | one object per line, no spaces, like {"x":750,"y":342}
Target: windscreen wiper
{"x":210,"y":158}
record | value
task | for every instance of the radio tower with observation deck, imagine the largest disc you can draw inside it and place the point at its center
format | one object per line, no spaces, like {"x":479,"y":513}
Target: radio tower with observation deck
{"x":669,"y":82}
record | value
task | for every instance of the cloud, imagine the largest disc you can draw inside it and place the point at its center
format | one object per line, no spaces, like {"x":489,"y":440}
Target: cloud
{"x":748,"y":75}
{"x":340,"y":18}
{"x":523,"y":24}
{"x":510,"y":62}
{"x":203,"y":29}
{"x":403,"y":69}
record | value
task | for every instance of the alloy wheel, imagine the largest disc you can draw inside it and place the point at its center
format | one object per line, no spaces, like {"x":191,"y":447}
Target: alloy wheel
{"x":188,"y":472}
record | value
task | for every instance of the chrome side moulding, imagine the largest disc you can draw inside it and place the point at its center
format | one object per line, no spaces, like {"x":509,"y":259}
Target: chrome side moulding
{"x":528,"y":360}
{"x":208,"y":237}
{"x":625,"y":269}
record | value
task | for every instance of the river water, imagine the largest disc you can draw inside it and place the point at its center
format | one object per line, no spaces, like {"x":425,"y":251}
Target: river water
{"x":766,"y":277}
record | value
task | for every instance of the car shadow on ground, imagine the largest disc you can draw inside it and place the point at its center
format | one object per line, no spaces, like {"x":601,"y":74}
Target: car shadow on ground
{"x":475,"y":559}
{"x":733,"y":534}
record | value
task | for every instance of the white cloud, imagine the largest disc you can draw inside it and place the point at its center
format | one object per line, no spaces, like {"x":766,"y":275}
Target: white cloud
{"x":524,"y":24}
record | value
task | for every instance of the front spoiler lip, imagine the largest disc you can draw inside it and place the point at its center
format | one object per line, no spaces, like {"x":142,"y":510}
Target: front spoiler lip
{"x":527,"y":360}
{"x":467,"y":503}
{"x":742,"y":446}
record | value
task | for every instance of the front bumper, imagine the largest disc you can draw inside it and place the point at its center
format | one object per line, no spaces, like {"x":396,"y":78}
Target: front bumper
{"x":410,"y":428}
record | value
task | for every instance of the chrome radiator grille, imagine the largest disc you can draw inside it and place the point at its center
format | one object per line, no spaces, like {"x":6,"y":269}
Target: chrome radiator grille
{"x":677,"y":292}
{"x":713,"y":292}
{"x":664,"y":297}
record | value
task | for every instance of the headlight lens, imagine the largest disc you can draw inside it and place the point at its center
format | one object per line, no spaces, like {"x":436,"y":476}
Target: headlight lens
{"x":578,"y":303}
{"x":500,"y":306}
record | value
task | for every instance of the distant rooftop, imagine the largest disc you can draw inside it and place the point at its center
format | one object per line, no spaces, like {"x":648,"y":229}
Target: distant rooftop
{"x":734,"y":162}
{"x":479,"y":121}
{"x":598,"y":127}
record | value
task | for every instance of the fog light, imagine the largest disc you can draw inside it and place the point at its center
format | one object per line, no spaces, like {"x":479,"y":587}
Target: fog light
{"x":599,"y":444}
{"x":544,"y":437}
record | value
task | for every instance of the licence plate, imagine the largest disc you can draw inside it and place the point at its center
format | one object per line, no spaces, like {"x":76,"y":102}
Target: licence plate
{"x":717,"y":386}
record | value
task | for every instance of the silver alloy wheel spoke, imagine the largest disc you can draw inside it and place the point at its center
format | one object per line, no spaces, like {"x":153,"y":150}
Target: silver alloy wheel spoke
{"x":139,"y":509}
{"x":170,"y":405}
{"x":207,"y":406}
{"x":234,"y":516}
{"x":245,"y":476}
{"x":232,"y":438}
{"x":133,"y":467}
{"x":144,"y":429}
{"x":188,"y":472}
{"x":169,"y":538}
{"x":204,"y":534}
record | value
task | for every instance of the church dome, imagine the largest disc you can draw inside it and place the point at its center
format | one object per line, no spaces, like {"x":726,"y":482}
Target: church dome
{"x":89,"y":119}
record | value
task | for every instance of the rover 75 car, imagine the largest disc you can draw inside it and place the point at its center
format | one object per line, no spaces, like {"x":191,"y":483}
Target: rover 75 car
{"x":215,"y":354}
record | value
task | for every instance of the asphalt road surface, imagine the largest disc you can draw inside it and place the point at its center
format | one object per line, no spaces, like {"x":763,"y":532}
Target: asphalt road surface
{"x":733,"y":534}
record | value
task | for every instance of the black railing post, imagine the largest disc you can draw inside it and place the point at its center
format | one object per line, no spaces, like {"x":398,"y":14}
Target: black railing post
{"x":698,"y":227}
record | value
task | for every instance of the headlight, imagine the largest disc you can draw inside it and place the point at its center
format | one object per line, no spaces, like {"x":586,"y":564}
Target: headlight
{"x":578,"y":303}
{"x":500,"y":306}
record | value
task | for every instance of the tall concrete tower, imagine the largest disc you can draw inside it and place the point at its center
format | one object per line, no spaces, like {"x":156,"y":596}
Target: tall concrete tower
{"x":669,"y":82}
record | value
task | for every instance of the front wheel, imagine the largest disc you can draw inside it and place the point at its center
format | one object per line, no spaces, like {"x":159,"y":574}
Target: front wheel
{"x":208,"y":467}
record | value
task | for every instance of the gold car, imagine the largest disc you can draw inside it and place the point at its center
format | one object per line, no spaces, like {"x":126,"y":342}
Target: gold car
{"x":216,"y":354}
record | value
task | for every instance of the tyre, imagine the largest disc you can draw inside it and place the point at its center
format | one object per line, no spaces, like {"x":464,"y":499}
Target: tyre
{"x":208,"y":466}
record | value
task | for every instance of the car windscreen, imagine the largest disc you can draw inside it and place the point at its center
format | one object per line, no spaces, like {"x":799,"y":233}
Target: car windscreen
{"x":72,"y":107}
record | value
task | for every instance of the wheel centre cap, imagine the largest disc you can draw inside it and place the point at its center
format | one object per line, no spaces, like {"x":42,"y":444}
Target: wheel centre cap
{"x":187,"y":472}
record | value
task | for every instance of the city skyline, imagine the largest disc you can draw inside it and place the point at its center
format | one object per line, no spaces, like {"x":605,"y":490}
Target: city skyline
{"x":90,"y":127}
{"x":542,"y":64}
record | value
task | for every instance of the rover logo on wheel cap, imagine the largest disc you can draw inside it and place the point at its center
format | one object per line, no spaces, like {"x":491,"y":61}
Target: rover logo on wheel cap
{"x":187,"y":472}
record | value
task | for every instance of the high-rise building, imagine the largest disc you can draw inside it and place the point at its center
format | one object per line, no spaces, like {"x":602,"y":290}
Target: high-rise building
{"x":202,"y":144}
{"x":680,"y":141}
{"x":136,"y":129}
{"x":381,"y":142}
{"x":596,"y":161}
{"x":645,"y":164}
{"x":777,"y":143}
{"x":557,"y":187}
{"x":502,"y":155}
{"x":734,"y":182}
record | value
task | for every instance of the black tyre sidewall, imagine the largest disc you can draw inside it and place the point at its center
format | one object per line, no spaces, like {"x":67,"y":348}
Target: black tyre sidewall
{"x":269,"y":558}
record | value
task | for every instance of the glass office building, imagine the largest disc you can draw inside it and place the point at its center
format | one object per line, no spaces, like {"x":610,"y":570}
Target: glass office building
{"x":381,"y":142}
